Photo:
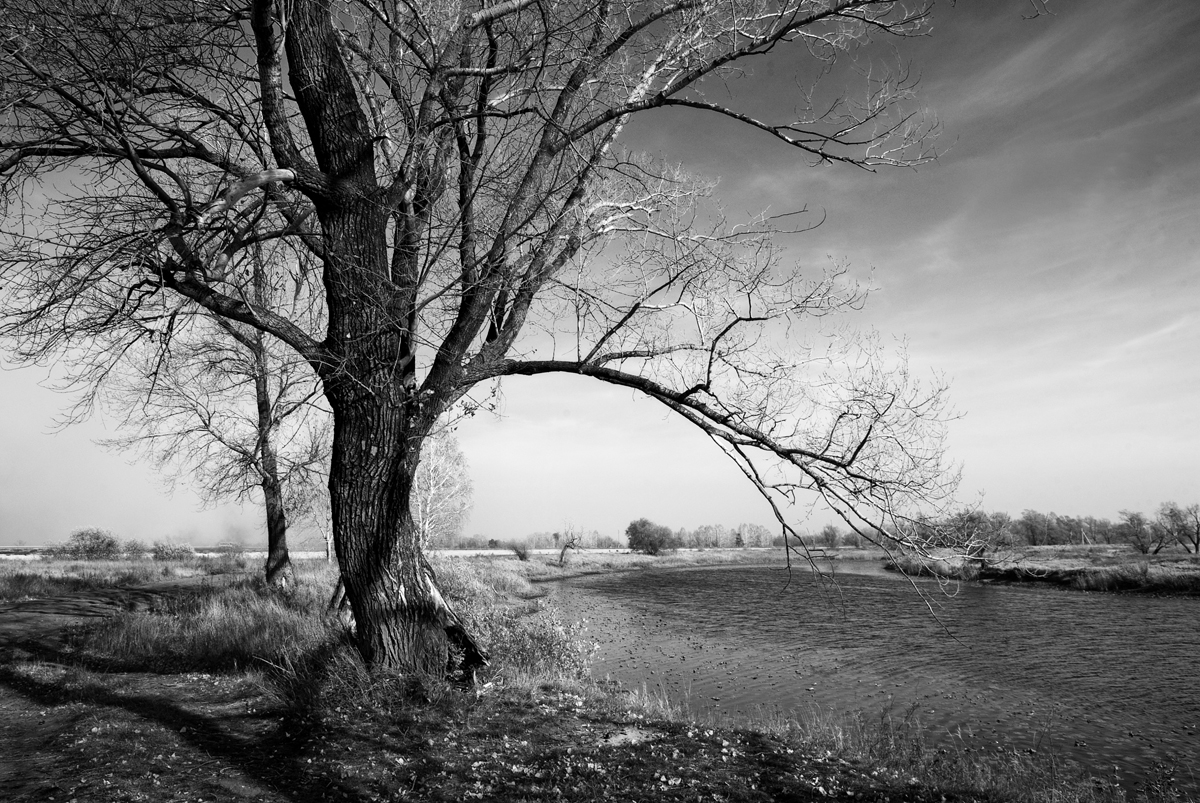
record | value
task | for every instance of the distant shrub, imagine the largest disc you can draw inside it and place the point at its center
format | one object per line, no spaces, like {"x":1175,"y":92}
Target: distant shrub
{"x":164,"y":550}
{"x":520,"y":550}
{"x":606,"y":542}
{"x":91,"y":543}
{"x":133,"y":549}
{"x":653,"y":539}
{"x":830,"y":535}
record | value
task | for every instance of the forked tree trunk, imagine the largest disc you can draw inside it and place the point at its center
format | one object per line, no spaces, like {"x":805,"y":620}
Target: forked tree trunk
{"x":369,"y":375}
{"x":402,"y":621}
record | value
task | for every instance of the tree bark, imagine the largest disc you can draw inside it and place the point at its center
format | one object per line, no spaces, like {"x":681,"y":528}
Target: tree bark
{"x":279,"y":571}
{"x":370,"y":479}
{"x":402,"y":621}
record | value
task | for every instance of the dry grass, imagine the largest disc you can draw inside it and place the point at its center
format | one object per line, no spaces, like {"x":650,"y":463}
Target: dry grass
{"x":21,"y":580}
{"x":48,"y":577}
{"x":224,"y":628}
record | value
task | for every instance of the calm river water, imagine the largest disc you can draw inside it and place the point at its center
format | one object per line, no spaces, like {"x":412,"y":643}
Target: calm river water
{"x":1109,"y":680}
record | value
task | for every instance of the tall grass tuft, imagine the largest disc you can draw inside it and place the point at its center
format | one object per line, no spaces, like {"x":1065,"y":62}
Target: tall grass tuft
{"x":215,"y":628}
{"x":521,"y":639}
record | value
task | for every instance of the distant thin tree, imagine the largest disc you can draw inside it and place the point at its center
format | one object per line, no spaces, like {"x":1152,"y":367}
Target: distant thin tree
{"x":568,"y":539}
{"x":1181,"y":524}
{"x":1143,"y":534}
{"x":442,"y":490}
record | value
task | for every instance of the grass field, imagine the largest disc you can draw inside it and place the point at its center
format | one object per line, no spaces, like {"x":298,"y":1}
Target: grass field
{"x":226,"y":690}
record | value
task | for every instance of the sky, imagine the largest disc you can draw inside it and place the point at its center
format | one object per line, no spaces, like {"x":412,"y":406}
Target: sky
{"x":1047,"y":264}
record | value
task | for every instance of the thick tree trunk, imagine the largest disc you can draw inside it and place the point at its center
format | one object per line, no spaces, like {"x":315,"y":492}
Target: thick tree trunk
{"x":399,"y":614}
{"x":401,"y":620}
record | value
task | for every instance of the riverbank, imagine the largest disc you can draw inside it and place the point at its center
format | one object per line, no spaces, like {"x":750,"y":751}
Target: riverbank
{"x":225,"y":691}
{"x":1101,"y":567}
{"x":540,"y":568}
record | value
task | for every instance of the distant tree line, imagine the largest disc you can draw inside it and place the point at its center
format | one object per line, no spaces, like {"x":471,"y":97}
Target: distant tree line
{"x":644,"y":535}
{"x":586,"y":539}
{"x":1172,"y":524}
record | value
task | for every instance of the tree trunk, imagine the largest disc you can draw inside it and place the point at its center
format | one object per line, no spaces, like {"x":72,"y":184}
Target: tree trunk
{"x":279,"y":572}
{"x":279,"y":564}
{"x":369,"y":483}
{"x":402,"y":621}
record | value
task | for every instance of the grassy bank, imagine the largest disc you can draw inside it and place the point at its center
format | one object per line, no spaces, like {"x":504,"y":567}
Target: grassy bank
{"x":231,"y":691}
{"x":1085,"y":568}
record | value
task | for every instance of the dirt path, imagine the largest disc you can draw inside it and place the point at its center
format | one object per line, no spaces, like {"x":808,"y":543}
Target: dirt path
{"x":68,"y":733}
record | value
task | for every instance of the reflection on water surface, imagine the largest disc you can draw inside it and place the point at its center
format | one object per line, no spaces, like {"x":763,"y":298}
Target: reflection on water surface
{"x":1108,"y":679}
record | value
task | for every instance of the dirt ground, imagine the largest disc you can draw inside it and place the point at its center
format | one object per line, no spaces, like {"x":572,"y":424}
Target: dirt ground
{"x":69,"y":732}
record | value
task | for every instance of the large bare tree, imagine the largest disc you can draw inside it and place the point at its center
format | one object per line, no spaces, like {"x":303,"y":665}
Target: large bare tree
{"x":457,"y":169}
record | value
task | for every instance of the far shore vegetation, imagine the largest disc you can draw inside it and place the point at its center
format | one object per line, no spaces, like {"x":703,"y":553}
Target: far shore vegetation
{"x":1158,"y":554}
{"x":222,"y":672}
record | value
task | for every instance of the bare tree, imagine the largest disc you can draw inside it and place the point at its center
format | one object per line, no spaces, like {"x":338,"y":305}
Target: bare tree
{"x":228,"y":409}
{"x":755,"y":535}
{"x":570,"y":538}
{"x":1182,"y":524}
{"x":441,"y":496}
{"x":457,"y":171}
{"x":1143,"y":534}
{"x":710,"y":535}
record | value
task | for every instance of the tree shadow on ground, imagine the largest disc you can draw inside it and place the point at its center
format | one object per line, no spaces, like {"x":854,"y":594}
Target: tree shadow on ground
{"x":270,"y":751}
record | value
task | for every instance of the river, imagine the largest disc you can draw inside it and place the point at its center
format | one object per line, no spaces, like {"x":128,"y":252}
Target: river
{"x":1109,"y":680}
